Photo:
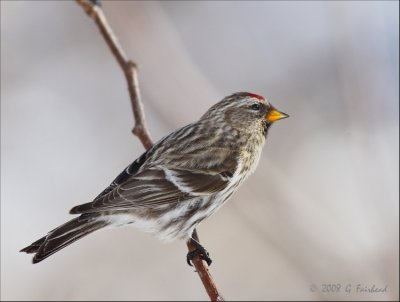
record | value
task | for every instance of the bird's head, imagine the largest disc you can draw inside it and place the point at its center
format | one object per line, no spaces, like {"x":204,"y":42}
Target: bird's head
{"x":246,"y":112}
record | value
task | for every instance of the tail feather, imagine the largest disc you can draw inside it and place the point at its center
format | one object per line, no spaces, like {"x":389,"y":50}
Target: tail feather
{"x":64,"y":235}
{"x":34,"y":247}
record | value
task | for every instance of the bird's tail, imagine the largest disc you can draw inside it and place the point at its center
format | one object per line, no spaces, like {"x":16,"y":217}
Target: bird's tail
{"x":64,"y":235}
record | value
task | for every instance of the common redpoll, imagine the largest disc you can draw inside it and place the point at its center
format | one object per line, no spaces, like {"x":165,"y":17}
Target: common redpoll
{"x":183,"y":179}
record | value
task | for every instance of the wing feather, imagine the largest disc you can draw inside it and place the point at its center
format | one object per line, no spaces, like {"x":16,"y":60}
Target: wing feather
{"x":157,"y":186}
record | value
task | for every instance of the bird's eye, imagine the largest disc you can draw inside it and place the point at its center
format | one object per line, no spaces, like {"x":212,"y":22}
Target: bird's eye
{"x":255,"y":107}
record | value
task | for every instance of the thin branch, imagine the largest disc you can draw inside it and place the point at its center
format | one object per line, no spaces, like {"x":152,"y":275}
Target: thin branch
{"x":140,"y":129}
{"x":128,"y":67}
{"x":203,"y":272}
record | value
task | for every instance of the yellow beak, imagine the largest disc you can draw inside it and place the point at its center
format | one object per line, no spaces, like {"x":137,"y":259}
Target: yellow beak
{"x":274,"y":115}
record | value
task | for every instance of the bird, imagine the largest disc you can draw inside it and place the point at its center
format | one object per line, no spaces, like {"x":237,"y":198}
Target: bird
{"x":180,"y":181}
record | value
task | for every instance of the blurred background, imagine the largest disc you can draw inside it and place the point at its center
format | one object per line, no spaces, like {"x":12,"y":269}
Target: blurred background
{"x":322,"y":207}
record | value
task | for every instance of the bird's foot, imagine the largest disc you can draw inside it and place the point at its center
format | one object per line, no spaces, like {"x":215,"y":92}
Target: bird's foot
{"x":199,"y":251}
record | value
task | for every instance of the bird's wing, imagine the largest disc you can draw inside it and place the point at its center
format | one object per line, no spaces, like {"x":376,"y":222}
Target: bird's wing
{"x":124,"y":175}
{"x":157,"y":186}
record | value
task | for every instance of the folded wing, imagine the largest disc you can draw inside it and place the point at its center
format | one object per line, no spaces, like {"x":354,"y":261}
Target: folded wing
{"x":157,"y":186}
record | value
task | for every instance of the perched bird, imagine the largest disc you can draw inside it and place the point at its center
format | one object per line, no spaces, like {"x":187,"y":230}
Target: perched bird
{"x":183,"y":179}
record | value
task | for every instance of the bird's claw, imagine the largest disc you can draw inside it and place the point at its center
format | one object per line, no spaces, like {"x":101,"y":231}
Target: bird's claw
{"x":199,"y":251}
